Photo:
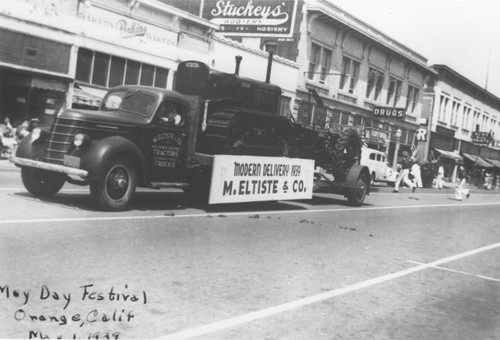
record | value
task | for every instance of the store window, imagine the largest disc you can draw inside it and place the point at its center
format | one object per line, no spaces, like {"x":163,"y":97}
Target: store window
{"x":132,"y":75}
{"x":161,"y":77}
{"x":344,"y":119}
{"x":147,"y":75}
{"x":100,"y":69}
{"x":375,"y":84}
{"x":320,"y":61}
{"x":109,"y":71}
{"x":394,"y":91}
{"x":350,"y":73}
{"x":117,"y":71}
{"x":84,"y":65}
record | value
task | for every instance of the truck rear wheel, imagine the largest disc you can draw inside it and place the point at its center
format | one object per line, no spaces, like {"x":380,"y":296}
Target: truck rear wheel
{"x":42,"y":183}
{"x":114,"y":190}
{"x":347,"y":152}
{"x":359,"y":184}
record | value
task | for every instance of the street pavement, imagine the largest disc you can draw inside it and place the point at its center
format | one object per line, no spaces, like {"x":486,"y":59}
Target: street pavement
{"x":403,"y":266}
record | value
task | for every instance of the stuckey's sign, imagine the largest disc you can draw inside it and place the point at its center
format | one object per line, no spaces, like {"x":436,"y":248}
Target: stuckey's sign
{"x":252,"y":17}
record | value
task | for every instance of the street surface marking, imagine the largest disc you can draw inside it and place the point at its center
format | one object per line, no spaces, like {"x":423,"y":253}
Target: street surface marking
{"x":170,"y":214}
{"x":460,"y":272}
{"x":267,"y":312}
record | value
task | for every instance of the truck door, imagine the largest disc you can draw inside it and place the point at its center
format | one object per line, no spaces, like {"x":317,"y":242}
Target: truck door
{"x":166,"y":141}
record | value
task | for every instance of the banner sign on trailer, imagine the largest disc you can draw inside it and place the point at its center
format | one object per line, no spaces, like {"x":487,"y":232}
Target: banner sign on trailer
{"x":253,"y":178}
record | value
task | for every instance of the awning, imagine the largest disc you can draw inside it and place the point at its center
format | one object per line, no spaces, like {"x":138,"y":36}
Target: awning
{"x":477,"y":160}
{"x":87,"y":95}
{"x":495,"y":162}
{"x":38,"y":82}
{"x":450,"y":155}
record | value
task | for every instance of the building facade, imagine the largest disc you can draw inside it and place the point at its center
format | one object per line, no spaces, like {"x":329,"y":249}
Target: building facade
{"x":57,"y":53}
{"x":363,"y":78}
{"x":465,"y":123}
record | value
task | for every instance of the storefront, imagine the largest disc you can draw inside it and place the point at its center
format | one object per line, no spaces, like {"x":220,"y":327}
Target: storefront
{"x":33,"y":82}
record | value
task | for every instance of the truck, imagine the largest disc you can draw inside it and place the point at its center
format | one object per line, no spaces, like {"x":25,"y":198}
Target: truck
{"x":156,"y":138}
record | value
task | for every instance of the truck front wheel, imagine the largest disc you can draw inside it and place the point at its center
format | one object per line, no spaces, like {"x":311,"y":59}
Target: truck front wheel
{"x":42,"y":183}
{"x":114,"y":190}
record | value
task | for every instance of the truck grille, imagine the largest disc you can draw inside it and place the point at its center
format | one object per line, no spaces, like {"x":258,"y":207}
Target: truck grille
{"x":61,"y":137}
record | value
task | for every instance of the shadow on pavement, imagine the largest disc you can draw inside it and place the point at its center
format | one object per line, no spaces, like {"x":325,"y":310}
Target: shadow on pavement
{"x":159,"y":201}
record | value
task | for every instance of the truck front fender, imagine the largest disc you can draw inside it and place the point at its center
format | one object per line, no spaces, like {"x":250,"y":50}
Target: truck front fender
{"x":29,"y":149}
{"x":100,"y":152}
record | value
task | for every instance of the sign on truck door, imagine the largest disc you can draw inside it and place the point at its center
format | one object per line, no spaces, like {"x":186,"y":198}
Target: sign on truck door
{"x":167,"y":141}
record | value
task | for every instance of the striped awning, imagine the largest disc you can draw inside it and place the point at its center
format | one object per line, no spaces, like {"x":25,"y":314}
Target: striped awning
{"x":477,"y":160}
{"x":496,"y":163}
{"x":450,"y":155}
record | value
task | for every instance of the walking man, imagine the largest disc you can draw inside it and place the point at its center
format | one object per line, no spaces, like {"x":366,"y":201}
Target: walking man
{"x":460,"y":189}
{"x":404,"y":173}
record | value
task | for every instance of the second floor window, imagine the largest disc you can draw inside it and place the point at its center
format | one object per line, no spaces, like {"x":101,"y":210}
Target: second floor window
{"x":350,"y":73}
{"x":374,"y":86}
{"x":412,"y":99}
{"x":394,"y":92}
{"x":319,"y":63}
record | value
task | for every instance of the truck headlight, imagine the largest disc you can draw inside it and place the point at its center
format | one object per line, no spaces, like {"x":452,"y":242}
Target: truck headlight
{"x":36,"y":134}
{"x":81,"y":141}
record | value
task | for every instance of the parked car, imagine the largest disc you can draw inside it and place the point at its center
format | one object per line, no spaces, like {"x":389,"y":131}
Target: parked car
{"x":376,"y":162}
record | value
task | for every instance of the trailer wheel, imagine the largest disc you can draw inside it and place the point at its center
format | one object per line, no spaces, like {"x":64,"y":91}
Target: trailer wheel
{"x":114,"y":190}
{"x":347,"y":152}
{"x":42,"y":183}
{"x":358,"y":181}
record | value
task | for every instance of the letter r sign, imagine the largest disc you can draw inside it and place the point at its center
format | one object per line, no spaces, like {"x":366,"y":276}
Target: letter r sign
{"x":422,"y":135}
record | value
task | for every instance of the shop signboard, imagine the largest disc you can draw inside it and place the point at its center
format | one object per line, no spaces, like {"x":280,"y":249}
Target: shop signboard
{"x":125,"y":31}
{"x":374,"y":135}
{"x":444,"y":131}
{"x":387,"y":112}
{"x":483,"y":138}
{"x":258,"y":18}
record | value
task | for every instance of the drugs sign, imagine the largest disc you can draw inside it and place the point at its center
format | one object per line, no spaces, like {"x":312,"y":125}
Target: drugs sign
{"x":389,"y":112}
{"x":252,"y":178}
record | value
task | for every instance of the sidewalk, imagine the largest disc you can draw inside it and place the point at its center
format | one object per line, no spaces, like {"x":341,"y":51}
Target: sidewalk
{"x":447,"y":187}
{"x":6,"y":165}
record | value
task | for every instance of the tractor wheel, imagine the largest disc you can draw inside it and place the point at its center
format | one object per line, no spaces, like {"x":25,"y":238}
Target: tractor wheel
{"x":359,"y":183}
{"x":42,"y":183}
{"x":114,"y":190}
{"x":347,"y":152}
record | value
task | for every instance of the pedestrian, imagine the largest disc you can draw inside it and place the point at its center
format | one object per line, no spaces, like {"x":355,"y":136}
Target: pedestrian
{"x":440,"y":177}
{"x":8,"y":139}
{"x":403,"y":175}
{"x":416,"y":173}
{"x":461,"y":189}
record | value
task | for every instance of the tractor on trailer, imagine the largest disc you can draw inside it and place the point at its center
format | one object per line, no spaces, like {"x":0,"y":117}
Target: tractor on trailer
{"x":218,"y":136}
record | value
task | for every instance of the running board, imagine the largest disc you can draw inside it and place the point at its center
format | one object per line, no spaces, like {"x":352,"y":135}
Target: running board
{"x":177,"y":185}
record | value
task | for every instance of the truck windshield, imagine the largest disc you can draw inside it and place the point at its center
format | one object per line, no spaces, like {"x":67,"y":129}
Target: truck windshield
{"x":137,"y":102}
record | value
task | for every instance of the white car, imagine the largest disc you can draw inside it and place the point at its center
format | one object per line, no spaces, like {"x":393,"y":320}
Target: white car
{"x":377,"y":164}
